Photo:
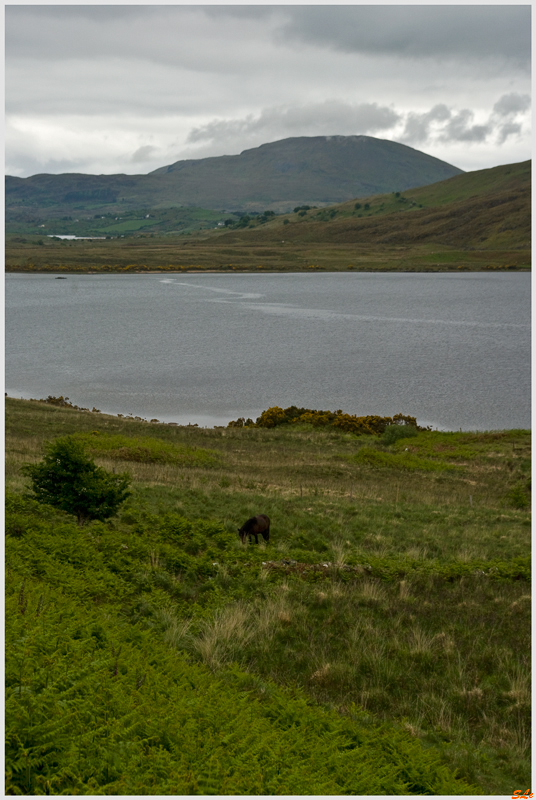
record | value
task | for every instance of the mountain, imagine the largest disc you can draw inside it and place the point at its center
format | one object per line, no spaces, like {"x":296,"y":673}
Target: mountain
{"x":318,"y":170}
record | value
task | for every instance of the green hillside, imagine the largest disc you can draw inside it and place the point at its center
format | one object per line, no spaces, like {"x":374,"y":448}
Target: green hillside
{"x":484,"y":209}
{"x":378,"y":644}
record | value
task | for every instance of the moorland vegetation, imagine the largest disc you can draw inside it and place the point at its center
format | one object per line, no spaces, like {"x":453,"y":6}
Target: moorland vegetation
{"x":379,"y":644}
{"x":475,"y":221}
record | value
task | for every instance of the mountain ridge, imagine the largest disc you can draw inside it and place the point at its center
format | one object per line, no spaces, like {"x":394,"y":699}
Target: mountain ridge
{"x":320,"y":170}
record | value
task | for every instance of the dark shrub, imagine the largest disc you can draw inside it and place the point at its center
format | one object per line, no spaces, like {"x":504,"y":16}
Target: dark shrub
{"x":395,"y":432}
{"x":68,"y":479}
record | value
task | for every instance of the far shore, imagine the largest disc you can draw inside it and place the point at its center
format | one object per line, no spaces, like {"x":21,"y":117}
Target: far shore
{"x":246,"y":271}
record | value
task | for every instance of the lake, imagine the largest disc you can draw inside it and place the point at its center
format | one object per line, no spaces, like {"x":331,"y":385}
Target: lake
{"x":70,"y":237}
{"x":452,"y":350}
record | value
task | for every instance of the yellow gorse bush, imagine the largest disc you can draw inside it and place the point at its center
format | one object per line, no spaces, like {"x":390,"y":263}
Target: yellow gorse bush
{"x":370,"y":424}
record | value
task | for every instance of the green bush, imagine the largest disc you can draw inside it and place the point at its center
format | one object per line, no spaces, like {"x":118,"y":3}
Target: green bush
{"x":69,"y":480}
{"x":517,"y":497}
{"x":395,"y":432}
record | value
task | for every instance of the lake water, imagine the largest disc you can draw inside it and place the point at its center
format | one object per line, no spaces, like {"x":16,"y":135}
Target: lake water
{"x":70,"y":237}
{"x":452,"y":350}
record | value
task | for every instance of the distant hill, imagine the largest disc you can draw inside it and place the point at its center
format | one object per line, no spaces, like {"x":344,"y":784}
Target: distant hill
{"x":489,"y":208}
{"x":319,"y":170}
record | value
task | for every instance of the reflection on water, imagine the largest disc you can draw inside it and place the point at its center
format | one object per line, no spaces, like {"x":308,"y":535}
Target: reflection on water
{"x":452,"y":350}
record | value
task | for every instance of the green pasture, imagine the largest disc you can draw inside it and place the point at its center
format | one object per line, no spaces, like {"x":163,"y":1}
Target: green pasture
{"x":378,"y":644}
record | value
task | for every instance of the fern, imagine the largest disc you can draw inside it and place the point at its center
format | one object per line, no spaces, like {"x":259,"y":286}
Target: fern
{"x":97,"y":702}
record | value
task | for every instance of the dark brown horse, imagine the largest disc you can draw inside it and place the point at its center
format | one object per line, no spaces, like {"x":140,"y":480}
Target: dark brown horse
{"x":253,"y":526}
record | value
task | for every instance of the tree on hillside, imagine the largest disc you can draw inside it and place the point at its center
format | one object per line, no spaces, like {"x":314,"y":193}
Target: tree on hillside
{"x":68,"y":479}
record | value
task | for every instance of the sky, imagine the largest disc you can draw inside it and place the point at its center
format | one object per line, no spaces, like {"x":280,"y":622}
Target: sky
{"x":108,"y":88}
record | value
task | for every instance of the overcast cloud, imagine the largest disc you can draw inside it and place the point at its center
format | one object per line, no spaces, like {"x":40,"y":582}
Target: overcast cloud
{"x":111,"y":89}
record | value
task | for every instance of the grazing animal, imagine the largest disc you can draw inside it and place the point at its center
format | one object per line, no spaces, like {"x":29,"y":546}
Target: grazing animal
{"x":254,"y":526}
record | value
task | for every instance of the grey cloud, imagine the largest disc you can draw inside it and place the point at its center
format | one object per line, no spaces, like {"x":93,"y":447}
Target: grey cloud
{"x":449,"y":126}
{"x":459,"y":129}
{"x":21,"y":164}
{"x":88,"y":85}
{"x":316,"y":119}
{"x":505,"y":113}
{"x":511,"y":103}
{"x":66,"y":32}
{"x":164,"y":34}
{"x":440,"y":124}
{"x":101,"y":13}
{"x":144,"y":153}
{"x":441,"y":32}
{"x":239,"y":12}
{"x":414,"y":31}
{"x":510,"y":129}
{"x":417,"y":128}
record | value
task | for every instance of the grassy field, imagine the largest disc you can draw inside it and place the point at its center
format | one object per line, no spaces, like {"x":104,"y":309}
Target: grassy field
{"x":238,"y":253}
{"x":380,"y":643}
{"x":141,"y":221}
